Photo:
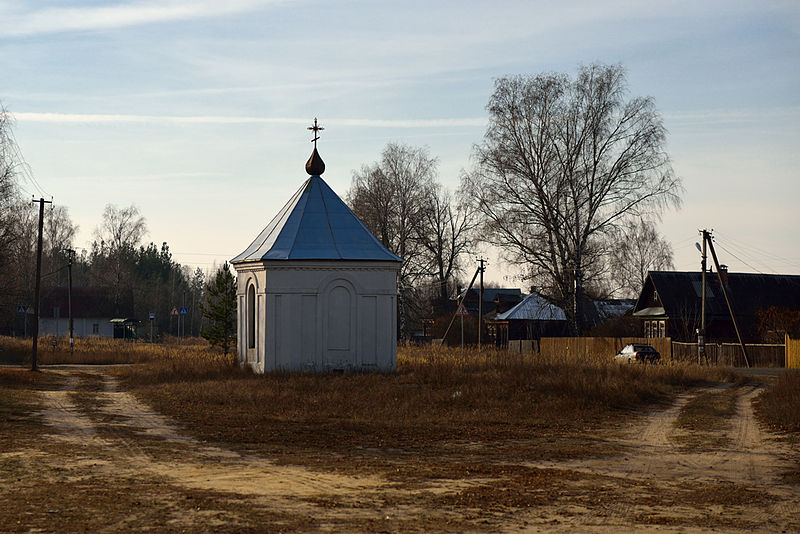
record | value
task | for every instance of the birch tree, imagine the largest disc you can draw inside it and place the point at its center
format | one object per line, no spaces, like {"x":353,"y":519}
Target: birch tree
{"x":389,"y":197}
{"x":445,"y":233}
{"x":637,"y":249}
{"x":561,"y":163}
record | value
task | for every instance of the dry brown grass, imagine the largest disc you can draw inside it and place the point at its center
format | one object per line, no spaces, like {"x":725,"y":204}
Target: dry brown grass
{"x":475,"y":423}
{"x":98,"y":350}
{"x":779,"y":405}
{"x":499,"y":404}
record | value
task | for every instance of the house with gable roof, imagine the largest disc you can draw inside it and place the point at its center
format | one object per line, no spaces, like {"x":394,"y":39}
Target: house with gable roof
{"x":670,"y":304}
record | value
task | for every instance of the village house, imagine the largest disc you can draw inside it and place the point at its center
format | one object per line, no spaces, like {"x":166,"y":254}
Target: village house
{"x":495,"y":300}
{"x":316,"y":290}
{"x":95,"y":312}
{"x":670,"y":303}
{"x":532,"y":318}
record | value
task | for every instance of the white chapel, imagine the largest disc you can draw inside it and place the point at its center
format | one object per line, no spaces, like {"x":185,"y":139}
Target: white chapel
{"x":316,"y":290}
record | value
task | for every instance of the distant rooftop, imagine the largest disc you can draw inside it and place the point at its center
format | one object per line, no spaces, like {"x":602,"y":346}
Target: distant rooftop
{"x":534,"y":307}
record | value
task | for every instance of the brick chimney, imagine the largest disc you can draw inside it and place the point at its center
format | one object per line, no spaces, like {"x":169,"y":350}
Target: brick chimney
{"x":723,"y":274}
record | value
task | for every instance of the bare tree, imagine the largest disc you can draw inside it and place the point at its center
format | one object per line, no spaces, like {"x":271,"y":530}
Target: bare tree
{"x":8,"y":186}
{"x":389,"y":197}
{"x":114,"y":248}
{"x":637,"y":249}
{"x":122,"y":228}
{"x":562,"y":160}
{"x":59,"y":233}
{"x":445,"y":233}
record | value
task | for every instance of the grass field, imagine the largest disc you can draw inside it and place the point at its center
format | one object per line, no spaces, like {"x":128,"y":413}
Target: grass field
{"x":500,"y":402}
{"x":455,"y":442}
{"x":99,"y":351}
{"x":779,"y":407}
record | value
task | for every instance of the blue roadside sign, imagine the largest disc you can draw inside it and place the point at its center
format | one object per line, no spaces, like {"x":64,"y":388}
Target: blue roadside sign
{"x":22,"y":308}
{"x":184,"y":310}
{"x":152,"y":316}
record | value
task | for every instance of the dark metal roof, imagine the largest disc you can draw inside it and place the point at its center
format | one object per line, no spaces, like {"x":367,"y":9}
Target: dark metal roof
{"x":492,"y":294}
{"x":680,"y":292}
{"x":87,"y":302}
{"x":316,"y":225}
{"x":611,"y":308}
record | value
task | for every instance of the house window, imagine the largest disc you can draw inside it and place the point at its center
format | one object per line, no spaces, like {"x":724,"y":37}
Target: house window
{"x":647,"y":329}
{"x":662,"y":328}
{"x":251,"y":317}
{"x":95,"y":328}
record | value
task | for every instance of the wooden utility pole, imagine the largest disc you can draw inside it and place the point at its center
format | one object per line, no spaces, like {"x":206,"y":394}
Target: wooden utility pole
{"x":728,"y":301}
{"x":701,"y":338}
{"x":460,"y":302}
{"x":70,"y":259}
{"x":481,"y":269}
{"x":41,"y":202}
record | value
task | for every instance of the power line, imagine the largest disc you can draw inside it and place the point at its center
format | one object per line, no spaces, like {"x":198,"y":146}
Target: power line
{"x":51,"y":273}
{"x":202,"y":254}
{"x":751,"y":249}
{"x":738,"y":258}
{"x":753,"y":252}
{"x":26,"y":169}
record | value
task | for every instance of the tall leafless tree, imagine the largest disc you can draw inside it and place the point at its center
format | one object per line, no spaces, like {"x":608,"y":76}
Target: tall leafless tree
{"x":445,"y":233}
{"x":8,"y":186}
{"x":114,"y":247}
{"x":390,"y":196}
{"x":59,"y":234}
{"x":637,"y":249}
{"x":12,"y":286}
{"x":563,"y":160}
{"x":121,"y":228}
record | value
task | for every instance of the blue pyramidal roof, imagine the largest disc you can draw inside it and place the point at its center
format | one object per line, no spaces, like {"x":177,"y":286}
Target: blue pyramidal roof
{"x":315,"y":225}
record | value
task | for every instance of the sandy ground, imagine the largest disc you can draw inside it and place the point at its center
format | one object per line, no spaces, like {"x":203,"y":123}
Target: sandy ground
{"x":752,"y":461}
{"x":658,"y":485}
{"x":131,"y":430}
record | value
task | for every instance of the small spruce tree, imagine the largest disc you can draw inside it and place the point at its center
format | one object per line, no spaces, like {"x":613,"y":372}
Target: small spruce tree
{"x":220,"y":310}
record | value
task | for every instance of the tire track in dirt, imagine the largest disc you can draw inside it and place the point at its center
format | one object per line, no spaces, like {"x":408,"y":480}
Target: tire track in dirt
{"x":752,"y":460}
{"x":62,"y":414}
{"x":122,"y":436}
{"x":195,"y":466}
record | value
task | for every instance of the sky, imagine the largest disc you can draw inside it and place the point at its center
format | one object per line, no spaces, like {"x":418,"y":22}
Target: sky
{"x":196,"y":111}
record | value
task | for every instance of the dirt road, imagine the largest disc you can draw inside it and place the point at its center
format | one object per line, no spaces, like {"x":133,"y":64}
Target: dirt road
{"x":103,"y":461}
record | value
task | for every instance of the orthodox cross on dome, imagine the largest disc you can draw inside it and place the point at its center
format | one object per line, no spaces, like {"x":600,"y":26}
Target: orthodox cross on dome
{"x":316,"y":129}
{"x":315,"y":166}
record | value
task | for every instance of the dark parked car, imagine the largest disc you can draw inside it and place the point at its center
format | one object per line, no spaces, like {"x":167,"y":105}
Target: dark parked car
{"x":637,"y":353}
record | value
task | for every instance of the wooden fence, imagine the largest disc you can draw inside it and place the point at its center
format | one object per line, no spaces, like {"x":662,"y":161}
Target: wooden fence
{"x":604,"y":349}
{"x":792,"y":353}
{"x":599,"y":348}
{"x":759,"y":355}
{"x":523,"y":345}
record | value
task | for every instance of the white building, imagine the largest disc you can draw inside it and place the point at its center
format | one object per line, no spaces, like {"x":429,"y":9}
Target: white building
{"x":95,"y":312}
{"x":316,"y":290}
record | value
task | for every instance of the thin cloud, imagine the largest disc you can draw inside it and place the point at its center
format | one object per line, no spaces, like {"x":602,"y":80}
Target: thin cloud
{"x":217,"y":119}
{"x":18,"y":22}
{"x":732,"y":115}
